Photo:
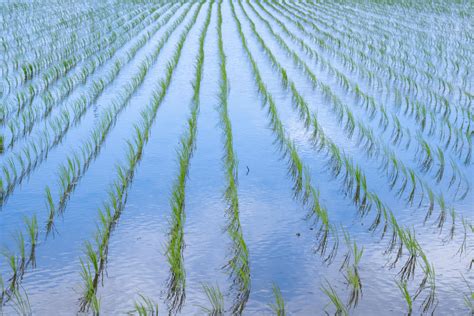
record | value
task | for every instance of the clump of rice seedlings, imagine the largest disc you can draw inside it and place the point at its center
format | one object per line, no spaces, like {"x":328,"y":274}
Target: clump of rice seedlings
{"x":21,"y":302}
{"x":278,"y":307}
{"x":467,"y":227}
{"x":428,"y":282}
{"x":145,"y":306}
{"x":239,"y":261}
{"x":215,"y":298}
{"x":407,"y":239}
{"x":335,"y":300}
{"x":402,"y":285}
{"x":32,"y":226}
{"x":174,"y":249}
{"x":2,"y":146}
{"x":469,"y":297}
{"x":440,"y":171}
{"x":428,"y":156}
{"x":351,"y":266}
{"x":51,"y":209}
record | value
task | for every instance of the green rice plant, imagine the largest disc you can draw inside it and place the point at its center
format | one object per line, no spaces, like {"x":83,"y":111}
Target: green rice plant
{"x":351,"y":266}
{"x":469,"y":298}
{"x":278,"y":307}
{"x":336,"y":301}
{"x":51,"y":208}
{"x":145,"y":306}
{"x":32,"y":226}
{"x":429,"y":283}
{"x":215,"y":298}
{"x":402,"y":286}
{"x":467,"y":227}
{"x":88,"y":292}
{"x":21,"y":302}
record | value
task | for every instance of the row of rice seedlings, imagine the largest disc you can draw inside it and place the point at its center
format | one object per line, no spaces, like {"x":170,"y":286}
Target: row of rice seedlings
{"x":440,"y":102}
{"x":215,"y":298}
{"x":392,"y":164}
{"x":52,"y":64}
{"x":94,"y":263}
{"x":369,"y":100}
{"x":50,"y":98}
{"x":427,"y":69}
{"x":19,"y":261}
{"x":239,"y":261}
{"x":18,"y":167}
{"x":299,"y":172}
{"x":174,"y":249}
{"x":365,"y":204}
{"x":78,"y":162}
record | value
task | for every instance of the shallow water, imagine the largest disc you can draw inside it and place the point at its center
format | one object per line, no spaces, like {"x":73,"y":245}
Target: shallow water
{"x":280,"y":238}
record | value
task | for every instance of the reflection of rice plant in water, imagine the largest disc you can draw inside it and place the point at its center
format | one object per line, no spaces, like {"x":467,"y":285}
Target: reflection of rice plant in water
{"x":355,"y":119}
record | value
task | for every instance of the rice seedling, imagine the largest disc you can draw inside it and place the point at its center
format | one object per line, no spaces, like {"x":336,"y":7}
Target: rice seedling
{"x":20,"y":302}
{"x":402,"y":285}
{"x":336,"y":301}
{"x":469,"y":297}
{"x":215,"y":298}
{"x":278,"y":307}
{"x":352,"y":270}
{"x":145,"y":306}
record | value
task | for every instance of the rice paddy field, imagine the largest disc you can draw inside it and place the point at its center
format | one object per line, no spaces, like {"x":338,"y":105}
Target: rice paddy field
{"x":230,"y":157}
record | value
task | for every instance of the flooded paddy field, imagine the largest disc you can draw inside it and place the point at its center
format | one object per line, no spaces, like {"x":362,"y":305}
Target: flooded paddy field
{"x":231,"y":157}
